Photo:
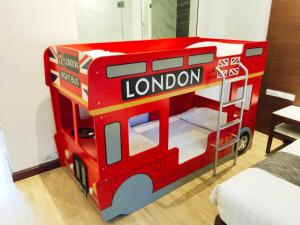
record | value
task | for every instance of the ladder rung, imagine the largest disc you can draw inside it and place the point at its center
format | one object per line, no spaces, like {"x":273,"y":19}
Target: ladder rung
{"x":214,"y":144}
{"x":235,"y":79}
{"x":233,"y":102}
{"x":231,"y":123}
{"x":225,"y":145}
{"x":234,"y":135}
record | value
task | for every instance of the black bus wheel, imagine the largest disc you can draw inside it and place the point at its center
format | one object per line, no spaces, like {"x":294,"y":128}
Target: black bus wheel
{"x":242,"y":145}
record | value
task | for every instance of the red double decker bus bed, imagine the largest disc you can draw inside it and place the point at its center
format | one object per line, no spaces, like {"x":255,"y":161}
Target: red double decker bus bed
{"x":136,"y":119}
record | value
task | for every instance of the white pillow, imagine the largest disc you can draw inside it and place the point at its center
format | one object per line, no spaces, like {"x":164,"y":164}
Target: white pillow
{"x":204,"y":117}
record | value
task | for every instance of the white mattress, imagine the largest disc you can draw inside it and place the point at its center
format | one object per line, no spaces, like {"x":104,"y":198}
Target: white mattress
{"x":204,"y":117}
{"x":138,"y":143}
{"x":191,"y":140}
{"x":256,"y":197}
{"x":223,"y":49}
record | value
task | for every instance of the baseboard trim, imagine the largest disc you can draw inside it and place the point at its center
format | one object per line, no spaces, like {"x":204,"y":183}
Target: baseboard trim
{"x":41,"y":168}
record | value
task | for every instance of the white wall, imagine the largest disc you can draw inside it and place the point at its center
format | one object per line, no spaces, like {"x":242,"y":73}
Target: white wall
{"x":27,"y":28}
{"x":102,"y":20}
{"x":248,"y":19}
{"x":3,"y":153}
{"x":98,"y":20}
{"x":212,"y":18}
{"x":234,"y":19}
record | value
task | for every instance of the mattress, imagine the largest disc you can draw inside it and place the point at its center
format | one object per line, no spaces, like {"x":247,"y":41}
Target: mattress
{"x":223,"y":49}
{"x":101,"y":53}
{"x":138,"y":143}
{"x":204,"y":117}
{"x":191,"y":140}
{"x":256,"y":197}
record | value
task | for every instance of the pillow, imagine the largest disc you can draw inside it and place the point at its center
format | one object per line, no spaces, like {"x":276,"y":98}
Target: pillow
{"x":204,"y":117}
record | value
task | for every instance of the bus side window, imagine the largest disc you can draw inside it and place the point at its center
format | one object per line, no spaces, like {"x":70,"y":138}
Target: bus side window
{"x":248,"y":96}
{"x":113,"y":143}
{"x":66,"y":115}
{"x":143,"y":133}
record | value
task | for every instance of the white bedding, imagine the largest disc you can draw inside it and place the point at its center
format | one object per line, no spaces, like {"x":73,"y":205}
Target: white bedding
{"x":138,"y":143}
{"x":190,"y":139}
{"x":204,"y":117}
{"x":223,"y":49}
{"x":101,"y":53}
{"x":255,"y":197}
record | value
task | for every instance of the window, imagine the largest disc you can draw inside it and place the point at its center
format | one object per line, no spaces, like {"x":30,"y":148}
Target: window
{"x":240,"y":91}
{"x":86,"y":131}
{"x":163,"y":64}
{"x":213,"y":92}
{"x":85,"y":124}
{"x":125,"y":69}
{"x":201,"y":59}
{"x":113,"y":143}
{"x":254,"y":52}
{"x":186,"y":131}
{"x":66,"y":114}
{"x":143,"y":133}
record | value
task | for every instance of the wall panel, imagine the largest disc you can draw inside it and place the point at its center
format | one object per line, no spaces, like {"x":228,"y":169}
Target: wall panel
{"x":283,"y":66}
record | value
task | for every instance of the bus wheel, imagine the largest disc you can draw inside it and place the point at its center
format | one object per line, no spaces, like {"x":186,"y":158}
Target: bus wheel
{"x":242,"y":145}
{"x":133,"y":194}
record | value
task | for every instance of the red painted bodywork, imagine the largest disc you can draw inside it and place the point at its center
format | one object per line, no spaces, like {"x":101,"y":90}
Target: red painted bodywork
{"x":159,"y":163}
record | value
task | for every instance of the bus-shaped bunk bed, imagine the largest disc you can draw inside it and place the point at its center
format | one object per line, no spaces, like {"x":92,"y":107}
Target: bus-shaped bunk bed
{"x":134,"y":119}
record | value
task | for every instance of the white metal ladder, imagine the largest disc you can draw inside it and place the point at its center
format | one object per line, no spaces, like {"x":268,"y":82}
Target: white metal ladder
{"x":236,"y":121}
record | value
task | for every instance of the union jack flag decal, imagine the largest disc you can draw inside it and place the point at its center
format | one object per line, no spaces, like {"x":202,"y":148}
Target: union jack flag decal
{"x":53,"y":55}
{"x":84,"y":62}
{"x":55,"y":77}
{"x":219,"y":75}
{"x":84,"y":92}
{"x":234,"y":72}
{"x":223,"y":62}
{"x":235,"y":60}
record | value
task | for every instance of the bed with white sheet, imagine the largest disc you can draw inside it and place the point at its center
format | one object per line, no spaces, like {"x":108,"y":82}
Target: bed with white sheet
{"x":256,"y":197}
{"x":187,"y":131}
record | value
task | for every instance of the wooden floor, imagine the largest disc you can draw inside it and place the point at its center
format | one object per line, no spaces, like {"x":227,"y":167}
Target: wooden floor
{"x":53,"y":198}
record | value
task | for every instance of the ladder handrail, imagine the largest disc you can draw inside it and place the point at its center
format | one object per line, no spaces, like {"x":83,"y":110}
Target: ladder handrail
{"x":242,"y":105}
{"x":219,"y":120}
{"x":221,"y":105}
{"x":220,"y":111}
